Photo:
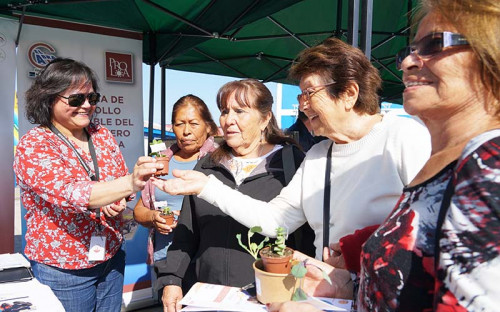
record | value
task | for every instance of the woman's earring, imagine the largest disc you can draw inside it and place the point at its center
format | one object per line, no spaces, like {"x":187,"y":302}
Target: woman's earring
{"x":261,"y":136}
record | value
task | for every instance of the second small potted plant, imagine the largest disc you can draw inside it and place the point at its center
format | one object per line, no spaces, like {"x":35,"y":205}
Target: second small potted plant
{"x":277,"y":258}
{"x":156,"y":147}
{"x":167,"y":214}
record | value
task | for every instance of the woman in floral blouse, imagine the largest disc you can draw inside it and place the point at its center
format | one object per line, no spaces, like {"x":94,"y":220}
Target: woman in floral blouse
{"x":74,"y":185}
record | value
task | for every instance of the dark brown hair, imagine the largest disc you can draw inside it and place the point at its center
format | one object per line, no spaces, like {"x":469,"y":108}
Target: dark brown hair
{"x":200,"y":106}
{"x":335,"y":60}
{"x":254,"y":94}
{"x":59,"y":75}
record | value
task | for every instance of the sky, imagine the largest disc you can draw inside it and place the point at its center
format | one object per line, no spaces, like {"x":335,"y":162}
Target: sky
{"x":181,"y":83}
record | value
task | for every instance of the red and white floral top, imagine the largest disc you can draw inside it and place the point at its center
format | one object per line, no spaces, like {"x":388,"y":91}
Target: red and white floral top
{"x":55,"y":190}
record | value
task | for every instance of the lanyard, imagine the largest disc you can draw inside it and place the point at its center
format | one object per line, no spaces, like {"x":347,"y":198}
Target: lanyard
{"x":93,"y":177}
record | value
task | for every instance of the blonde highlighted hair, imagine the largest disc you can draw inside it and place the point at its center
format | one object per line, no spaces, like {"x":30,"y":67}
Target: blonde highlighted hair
{"x":479,"y":22}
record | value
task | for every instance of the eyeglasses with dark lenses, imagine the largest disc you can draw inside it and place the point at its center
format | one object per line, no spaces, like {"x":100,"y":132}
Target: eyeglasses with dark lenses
{"x":430,"y":45}
{"x":77,"y":99}
{"x":309,"y":92}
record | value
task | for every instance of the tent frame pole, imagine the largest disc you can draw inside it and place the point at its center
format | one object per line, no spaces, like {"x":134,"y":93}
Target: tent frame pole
{"x":353,"y":23}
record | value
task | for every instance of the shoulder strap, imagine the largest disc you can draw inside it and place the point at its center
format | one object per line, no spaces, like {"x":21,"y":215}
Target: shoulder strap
{"x":445,"y":204}
{"x":288,"y":163}
{"x":326,"y":198}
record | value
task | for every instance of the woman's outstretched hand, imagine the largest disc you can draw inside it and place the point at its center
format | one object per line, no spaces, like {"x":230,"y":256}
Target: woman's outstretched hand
{"x":188,"y":182}
{"x":314,"y":283}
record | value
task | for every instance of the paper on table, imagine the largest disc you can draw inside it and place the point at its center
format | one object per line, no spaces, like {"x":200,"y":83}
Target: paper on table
{"x":218,"y":297}
{"x":16,"y":260}
{"x":37,"y":296}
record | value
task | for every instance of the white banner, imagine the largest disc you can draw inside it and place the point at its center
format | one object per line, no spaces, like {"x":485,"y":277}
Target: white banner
{"x":8,"y":30}
{"x":120,"y":109}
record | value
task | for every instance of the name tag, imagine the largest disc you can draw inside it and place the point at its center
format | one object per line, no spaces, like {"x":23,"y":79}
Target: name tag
{"x":97,"y":250}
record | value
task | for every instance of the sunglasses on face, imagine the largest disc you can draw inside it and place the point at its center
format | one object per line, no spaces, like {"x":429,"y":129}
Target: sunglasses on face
{"x":309,"y":92}
{"x":77,"y":99}
{"x":430,"y":45}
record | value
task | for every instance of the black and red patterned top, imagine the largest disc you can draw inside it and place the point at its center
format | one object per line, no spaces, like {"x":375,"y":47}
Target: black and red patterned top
{"x":397,"y":261}
{"x":55,"y":190}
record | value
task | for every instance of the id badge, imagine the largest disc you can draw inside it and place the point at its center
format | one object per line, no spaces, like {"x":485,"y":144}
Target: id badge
{"x":97,"y":250}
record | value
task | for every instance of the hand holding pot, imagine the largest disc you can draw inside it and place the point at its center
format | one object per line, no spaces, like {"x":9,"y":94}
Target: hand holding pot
{"x":160,"y":224}
{"x":144,"y":169}
{"x":172,"y":295}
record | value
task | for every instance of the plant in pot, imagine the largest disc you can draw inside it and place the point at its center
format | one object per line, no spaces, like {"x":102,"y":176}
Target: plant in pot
{"x":167,"y":214}
{"x":276,"y":257}
{"x":156,"y":147}
{"x":277,"y":287}
{"x":270,"y":287}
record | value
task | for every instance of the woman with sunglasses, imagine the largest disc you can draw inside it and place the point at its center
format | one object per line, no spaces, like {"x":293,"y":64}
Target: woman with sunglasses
{"x":448,"y":218}
{"x":74,"y":185}
{"x":371,"y":156}
{"x":439,"y":249}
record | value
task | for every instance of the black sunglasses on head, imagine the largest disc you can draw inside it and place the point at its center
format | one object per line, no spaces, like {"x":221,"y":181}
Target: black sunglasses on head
{"x":77,"y":99}
{"x":430,"y":45}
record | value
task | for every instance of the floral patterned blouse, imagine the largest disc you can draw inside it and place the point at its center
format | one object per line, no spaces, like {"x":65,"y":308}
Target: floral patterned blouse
{"x":397,"y":262}
{"x":55,"y":190}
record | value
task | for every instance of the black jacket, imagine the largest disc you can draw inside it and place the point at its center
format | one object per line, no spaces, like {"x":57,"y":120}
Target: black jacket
{"x":207,"y":235}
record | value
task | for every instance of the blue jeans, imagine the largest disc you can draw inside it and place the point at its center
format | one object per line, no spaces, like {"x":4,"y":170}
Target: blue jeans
{"x":98,"y":288}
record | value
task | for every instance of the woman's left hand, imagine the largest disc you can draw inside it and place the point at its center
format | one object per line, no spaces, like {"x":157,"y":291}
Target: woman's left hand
{"x":114,"y":209}
{"x":314,"y":283}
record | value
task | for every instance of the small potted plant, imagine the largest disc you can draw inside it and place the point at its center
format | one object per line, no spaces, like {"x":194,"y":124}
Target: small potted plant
{"x":276,"y":257}
{"x":167,"y":214}
{"x":156,"y":147}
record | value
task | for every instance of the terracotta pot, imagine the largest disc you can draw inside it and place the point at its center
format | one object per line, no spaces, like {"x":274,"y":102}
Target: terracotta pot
{"x":274,"y":263}
{"x":273,"y":287}
{"x":164,"y":161}
{"x":169,"y":218}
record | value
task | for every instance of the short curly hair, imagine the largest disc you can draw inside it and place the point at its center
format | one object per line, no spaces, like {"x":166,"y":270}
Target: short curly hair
{"x":335,"y":60}
{"x":59,"y":75}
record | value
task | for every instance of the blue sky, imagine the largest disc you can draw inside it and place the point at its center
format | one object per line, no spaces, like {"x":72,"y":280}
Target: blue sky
{"x":205,"y":86}
{"x":180,"y":83}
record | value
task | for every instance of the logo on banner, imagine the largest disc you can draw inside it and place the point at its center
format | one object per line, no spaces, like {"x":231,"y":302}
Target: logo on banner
{"x":39,"y":55}
{"x":119,"y":67}
{"x":3,"y":41}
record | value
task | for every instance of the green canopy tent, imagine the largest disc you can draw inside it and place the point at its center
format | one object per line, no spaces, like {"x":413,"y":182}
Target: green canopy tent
{"x":244,"y":38}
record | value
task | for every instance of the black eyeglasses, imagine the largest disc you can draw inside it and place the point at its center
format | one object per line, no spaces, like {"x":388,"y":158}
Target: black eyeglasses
{"x":77,"y":99}
{"x":309,"y":92}
{"x":430,"y":45}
